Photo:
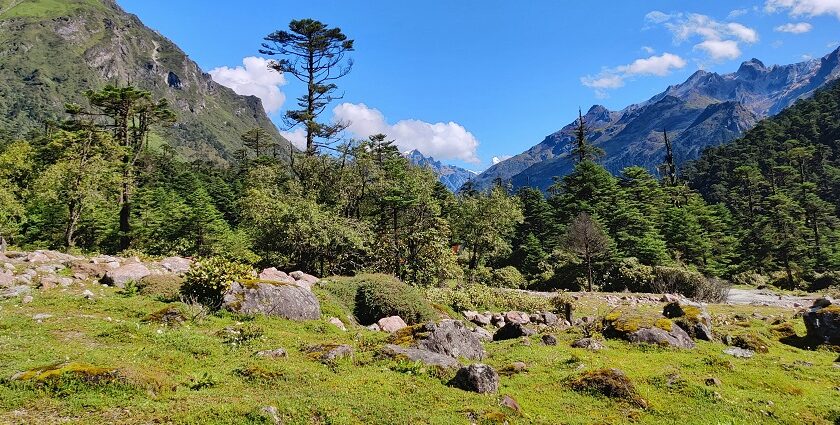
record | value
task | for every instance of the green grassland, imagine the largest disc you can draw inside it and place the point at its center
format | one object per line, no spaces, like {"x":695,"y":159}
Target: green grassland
{"x":190,"y":374}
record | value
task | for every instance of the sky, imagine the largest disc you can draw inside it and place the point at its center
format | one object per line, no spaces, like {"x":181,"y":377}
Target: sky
{"x":473,"y":82}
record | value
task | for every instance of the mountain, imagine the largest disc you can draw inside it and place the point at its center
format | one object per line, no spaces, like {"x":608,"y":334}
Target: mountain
{"x":54,"y":50}
{"x":708,"y":109}
{"x":451,"y":176}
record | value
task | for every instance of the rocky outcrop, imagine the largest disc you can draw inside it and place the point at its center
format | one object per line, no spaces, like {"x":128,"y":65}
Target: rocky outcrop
{"x":451,"y":338}
{"x":634,"y":327}
{"x":272,"y":299}
{"x":822,"y":321}
{"x":694,"y":319}
{"x":478,"y":378}
{"x":511,"y":331}
{"x":426,"y":357}
{"x":131,"y":272}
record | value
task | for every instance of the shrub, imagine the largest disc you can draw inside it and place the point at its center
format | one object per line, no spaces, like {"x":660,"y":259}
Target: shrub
{"x":208,"y":279}
{"x":480,"y":297}
{"x":479,"y":276}
{"x":629,"y":274}
{"x":611,"y":383}
{"x":689,"y":283}
{"x":381,"y":295}
{"x":563,"y":304}
{"x":508,"y":277}
{"x":821,"y":281}
{"x":164,"y":287}
{"x":749,"y":278}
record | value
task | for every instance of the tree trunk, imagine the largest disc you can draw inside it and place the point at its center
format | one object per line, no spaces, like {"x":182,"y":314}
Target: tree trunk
{"x":72,"y":220}
{"x":589,"y":271}
{"x":125,"y":214}
{"x":396,"y":243}
{"x":3,"y":244}
{"x":310,"y":108}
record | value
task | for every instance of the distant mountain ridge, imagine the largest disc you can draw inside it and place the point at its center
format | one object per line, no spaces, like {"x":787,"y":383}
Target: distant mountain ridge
{"x":451,"y":176}
{"x":52,"y":51}
{"x":708,"y":109}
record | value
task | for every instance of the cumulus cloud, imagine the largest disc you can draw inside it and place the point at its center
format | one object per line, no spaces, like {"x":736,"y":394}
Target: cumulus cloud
{"x":736,"y":13}
{"x":804,"y":7}
{"x":833,"y":44}
{"x":794,"y":28}
{"x":649,"y":50}
{"x":720,"y":40}
{"x":657,"y":17}
{"x":440,"y":140}
{"x":612,"y":78}
{"x":297,"y":137}
{"x":254,"y":78}
{"x":498,"y":159}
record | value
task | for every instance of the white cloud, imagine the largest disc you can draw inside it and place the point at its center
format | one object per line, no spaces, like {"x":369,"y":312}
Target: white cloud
{"x":794,"y":28}
{"x":720,"y":49}
{"x":439,"y":140}
{"x":297,"y":137}
{"x":805,"y":7}
{"x":649,"y":50}
{"x":657,"y":17}
{"x":612,"y":78}
{"x":254,"y":79}
{"x":807,"y":57}
{"x":833,"y":44}
{"x":498,"y":159}
{"x":736,"y":13}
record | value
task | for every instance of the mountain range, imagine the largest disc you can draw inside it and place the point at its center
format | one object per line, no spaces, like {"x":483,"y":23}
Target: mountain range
{"x":708,"y":109}
{"x":51,"y":51}
{"x":451,"y":176}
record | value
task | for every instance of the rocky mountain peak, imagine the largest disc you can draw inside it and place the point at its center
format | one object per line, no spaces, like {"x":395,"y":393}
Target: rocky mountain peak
{"x":751,"y":69}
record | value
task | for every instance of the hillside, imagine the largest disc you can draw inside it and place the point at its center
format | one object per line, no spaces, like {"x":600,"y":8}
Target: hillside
{"x":55,"y":50}
{"x":451,"y":176}
{"x":708,"y":109}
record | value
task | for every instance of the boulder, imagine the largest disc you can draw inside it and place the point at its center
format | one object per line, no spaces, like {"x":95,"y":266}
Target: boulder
{"x":7,"y":279}
{"x":304,"y":280}
{"x":37,"y":257}
{"x":478,"y":377}
{"x":510,"y":403}
{"x":637,"y":328}
{"x":549,"y":318}
{"x":15,"y":291}
{"x":272,"y":354}
{"x":549,"y":340}
{"x":739,"y":352}
{"x":391,"y":324}
{"x":512,"y":331}
{"x":273,"y":275}
{"x":426,"y":357}
{"x":591,"y":344}
{"x":451,"y":338}
{"x":327,"y":353}
{"x":177,"y":265}
{"x":517,"y":317}
{"x":131,"y":272}
{"x":822,"y":321}
{"x":676,"y":337}
{"x":335,"y":321}
{"x":482,"y":334}
{"x":272,"y":299}
{"x":694,"y":319}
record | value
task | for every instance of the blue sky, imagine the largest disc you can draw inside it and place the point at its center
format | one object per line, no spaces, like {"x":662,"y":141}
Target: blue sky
{"x":467,"y":81}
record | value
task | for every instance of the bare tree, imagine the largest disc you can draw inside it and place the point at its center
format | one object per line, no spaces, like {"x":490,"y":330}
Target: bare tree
{"x":587,"y":239}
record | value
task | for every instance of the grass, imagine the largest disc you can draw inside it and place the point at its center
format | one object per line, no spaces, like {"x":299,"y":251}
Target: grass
{"x":189,"y":374}
{"x":44,"y":8}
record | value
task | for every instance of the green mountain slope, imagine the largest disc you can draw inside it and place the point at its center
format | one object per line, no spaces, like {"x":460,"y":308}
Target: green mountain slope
{"x":53,"y":50}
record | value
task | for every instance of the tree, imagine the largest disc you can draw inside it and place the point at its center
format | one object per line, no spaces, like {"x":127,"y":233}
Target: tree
{"x":583,"y":150}
{"x":132,"y":114}
{"x":258,"y":140}
{"x":315,"y":54}
{"x":669,"y":167}
{"x":586,"y":238}
{"x":485,"y":223}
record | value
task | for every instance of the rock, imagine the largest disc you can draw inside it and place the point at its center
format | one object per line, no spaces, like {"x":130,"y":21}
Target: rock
{"x":510,"y":403}
{"x":549,"y":340}
{"x":426,"y":357}
{"x":272,"y":413}
{"x":712,"y":382}
{"x":470,"y":316}
{"x":273,"y":275}
{"x":549,"y":318}
{"x":131,"y":272}
{"x":451,"y":338}
{"x":478,"y":377}
{"x":326,"y":353}
{"x":87,"y":294}
{"x":276,"y":353}
{"x":308,"y":278}
{"x":26,"y":299}
{"x":483,"y":319}
{"x":482,"y":334}
{"x":822,"y":321}
{"x":677,"y":337}
{"x":511,"y":331}
{"x":177,"y":265}
{"x":15,"y":291}
{"x":37,"y":257}
{"x":272,"y":299}
{"x":7,"y":279}
{"x":739,"y":352}
{"x":497,"y":318}
{"x":589,"y":344}
{"x":514,"y":368}
{"x":694,"y":319}
{"x":374,"y":327}
{"x":41,"y":316}
{"x":517,"y":317}
{"x":335,"y":321}
{"x":391,"y":324}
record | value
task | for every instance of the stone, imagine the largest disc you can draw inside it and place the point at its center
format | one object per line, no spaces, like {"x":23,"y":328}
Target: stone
{"x":7,"y":279}
{"x":482,"y":334}
{"x":549,"y":318}
{"x":591,"y":344}
{"x":304,"y":280}
{"x":677,"y":337}
{"x":272,"y":299}
{"x":120,"y":276}
{"x":391,"y":324}
{"x":176,"y":265}
{"x":517,"y":317}
{"x":37,"y":257}
{"x":374,"y":327}
{"x":483,"y":319}
{"x":15,"y":291}
{"x":273,"y":275}
{"x":510,"y":403}
{"x":426,"y":357}
{"x":41,"y":316}
{"x":739,"y":352}
{"x":272,"y":413}
{"x":335,"y":321}
{"x":549,"y":339}
{"x":327,"y":353}
{"x":497,"y":318}
{"x":26,"y":299}
{"x":87,"y":294}
{"x":477,"y":377}
{"x":276,"y":353}
{"x":512,"y":331}
{"x":822,"y":321}
{"x":693,"y":318}
{"x":517,"y":367}
{"x":712,"y":382}
{"x":451,"y":338}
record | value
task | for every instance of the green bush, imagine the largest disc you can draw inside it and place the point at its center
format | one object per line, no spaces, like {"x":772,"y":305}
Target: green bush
{"x":508,"y":277}
{"x":208,"y":279}
{"x":749,"y":278}
{"x":479,"y":276}
{"x":689,"y":283}
{"x":821,"y":281}
{"x":629,"y":274}
{"x":164,"y":287}
{"x":382,"y":295}
{"x":480,"y":297}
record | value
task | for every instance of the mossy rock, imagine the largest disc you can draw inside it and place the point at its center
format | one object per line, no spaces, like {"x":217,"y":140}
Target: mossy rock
{"x":170,"y":316}
{"x":611,"y":383}
{"x":82,"y":371}
{"x":620,"y":323}
{"x":784,"y":330}
{"x":751,"y":342}
{"x":408,"y":335}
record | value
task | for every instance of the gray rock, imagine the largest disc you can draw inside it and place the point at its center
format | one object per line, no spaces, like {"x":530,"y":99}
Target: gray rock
{"x":739,"y":352}
{"x":15,"y":291}
{"x":677,"y":337}
{"x":41,"y":316}
{"x":549,"y":318}
{"x":451,"y":338}
{"x":335,"y":321}
{"x":37,"y":257}
{"x":517,"y":317}
{"x":510,"y":403}
{"x":120,"y":276}
{"x":274,"y":275}
{"x":418,"y":355}
{"x":822,"y":321}
{"x":26,"y":299}
{"x":512,"y":331}
{"x":696,"y":325}
{"x":88,"y":294}
{"x":589,"y":344}
{"x":712,"y":382}
{"x":478,"y":377}
{"x":374,"y":327}
{"x":330,"y":352}
{"x":549,"y":340}
{"x":272,"y":354}
{"x":7,"y":279}
{"x":273,"y":414}
{"x":308,"y":278}
{"x":177,"y":265}
{"x":391,"y":324}
{"x":272,"y":299}
{"x":482,"y":334}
